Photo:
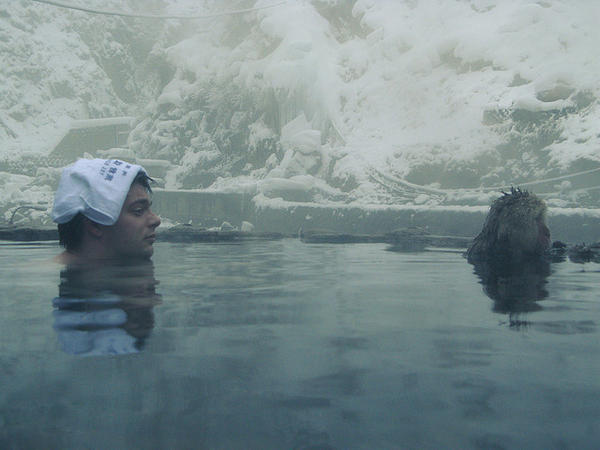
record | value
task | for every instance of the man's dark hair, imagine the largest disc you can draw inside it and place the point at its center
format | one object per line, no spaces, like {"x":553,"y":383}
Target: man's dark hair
{"x":70,"y":234}
{"x":144,"y":180}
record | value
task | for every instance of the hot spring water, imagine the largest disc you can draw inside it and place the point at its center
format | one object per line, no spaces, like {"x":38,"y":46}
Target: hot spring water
{"x":282,"y":344}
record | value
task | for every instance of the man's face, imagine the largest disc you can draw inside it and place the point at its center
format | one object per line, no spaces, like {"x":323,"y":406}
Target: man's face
{"x":132,"y":235}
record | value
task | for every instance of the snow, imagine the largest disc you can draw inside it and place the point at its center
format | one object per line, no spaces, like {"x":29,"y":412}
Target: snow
{"x":91,"y":123}
{"x":435,"y":103}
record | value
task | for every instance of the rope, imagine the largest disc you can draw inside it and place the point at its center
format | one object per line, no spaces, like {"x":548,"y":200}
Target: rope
{"x":36,"y":207}
{"x":547,"y":180}
{"x":108,"y":12}
{"x":418,"y":187}
{"x":405,"y":187}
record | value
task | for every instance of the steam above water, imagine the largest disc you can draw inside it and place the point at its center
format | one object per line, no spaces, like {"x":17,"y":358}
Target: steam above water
{"x":365,"y":102}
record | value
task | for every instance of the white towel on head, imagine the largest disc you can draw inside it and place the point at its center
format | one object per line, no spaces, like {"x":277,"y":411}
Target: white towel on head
{"x":97,"y":188}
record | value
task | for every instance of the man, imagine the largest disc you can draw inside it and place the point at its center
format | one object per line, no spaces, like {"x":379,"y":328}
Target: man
{"x":102,"y":208}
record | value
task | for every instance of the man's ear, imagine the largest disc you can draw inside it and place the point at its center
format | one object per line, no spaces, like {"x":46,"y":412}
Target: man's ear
{"x":92,"y":228}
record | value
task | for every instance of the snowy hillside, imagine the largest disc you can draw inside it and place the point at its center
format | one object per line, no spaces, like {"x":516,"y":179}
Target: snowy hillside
{"x":353,"y":99}
{"x":333,"y":101}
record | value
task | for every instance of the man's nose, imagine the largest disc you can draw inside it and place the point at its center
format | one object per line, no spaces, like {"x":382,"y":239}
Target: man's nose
{"x":154,"y":220}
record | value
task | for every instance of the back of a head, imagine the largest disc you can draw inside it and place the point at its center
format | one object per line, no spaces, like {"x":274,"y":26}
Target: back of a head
{"x":519,"y":217}
{"x":513,"y":228}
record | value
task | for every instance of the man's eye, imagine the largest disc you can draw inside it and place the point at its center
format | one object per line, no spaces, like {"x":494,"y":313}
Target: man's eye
{"x":138,"y":211}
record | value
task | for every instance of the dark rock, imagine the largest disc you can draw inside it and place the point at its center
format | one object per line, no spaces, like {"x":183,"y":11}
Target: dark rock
{"x":331,"y":237}
{"x":28,"y":234}
{"x":582,"y":253}
{"x":190,"y":233}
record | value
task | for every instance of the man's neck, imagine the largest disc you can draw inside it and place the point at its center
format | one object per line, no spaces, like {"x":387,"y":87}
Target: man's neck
{"x":81,"y":258}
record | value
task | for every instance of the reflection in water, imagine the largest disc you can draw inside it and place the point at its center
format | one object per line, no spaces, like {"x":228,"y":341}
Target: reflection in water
{"x":105,"y":310}
{"x":515,"y":288}
{"x":279,"y":344}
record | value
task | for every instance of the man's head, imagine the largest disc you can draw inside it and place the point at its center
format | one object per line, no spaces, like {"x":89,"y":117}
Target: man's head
{"x":514,"y":229}
{"x":102,"y":208}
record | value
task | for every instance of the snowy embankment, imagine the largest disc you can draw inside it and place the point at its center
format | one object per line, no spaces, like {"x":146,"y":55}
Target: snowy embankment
{"x":58,"y":66}
{"x":371,"y":103}
{"x":385,"y":102}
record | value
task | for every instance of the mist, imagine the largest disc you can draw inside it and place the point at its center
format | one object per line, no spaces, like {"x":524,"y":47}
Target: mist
{"x":320,"y":168}
{"x":321,"y":104}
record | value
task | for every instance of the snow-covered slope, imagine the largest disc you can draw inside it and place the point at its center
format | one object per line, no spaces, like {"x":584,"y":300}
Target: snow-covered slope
{"x":58,"y":65}
{"x":357,"y":102}
{"x":358,"y":98}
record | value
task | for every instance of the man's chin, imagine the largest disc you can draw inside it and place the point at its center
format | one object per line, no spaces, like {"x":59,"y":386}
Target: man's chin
{"x":145,"y":252}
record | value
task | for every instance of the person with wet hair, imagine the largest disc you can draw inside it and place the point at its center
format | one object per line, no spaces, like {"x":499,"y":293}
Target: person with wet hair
{"x":103,"y":211}
{"x":514,"y":230}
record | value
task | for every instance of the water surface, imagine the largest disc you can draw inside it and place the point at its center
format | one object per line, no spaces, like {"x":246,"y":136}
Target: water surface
{"x":281,"y":344}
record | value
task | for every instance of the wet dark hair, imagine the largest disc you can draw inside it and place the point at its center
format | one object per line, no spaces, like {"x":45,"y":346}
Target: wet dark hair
{"x":507,"y":231}
{"x":70,"y":234}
